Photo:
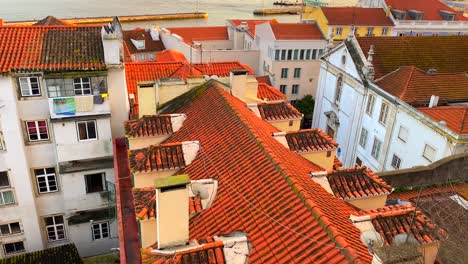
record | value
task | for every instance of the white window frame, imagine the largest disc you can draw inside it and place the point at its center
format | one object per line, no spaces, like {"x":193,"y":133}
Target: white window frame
{"x":285,"y":88}
{"x":27,"y":81}
{"x":402,"y":136}
{"x":81,"y":83}
{"x":370,"y":31}
{"x":87,"y":130}
{"x":2,"y":197}
{"x":39,"y":138}
{"x":45,"y":176}
{"x":430,"y":159}
{"x":16,"y":251}
{"x":99,"y":228}
{"x":338,"y":31}
{"x":396,"y":162}
{"x":298,"y":71}
{"x":286,"y":72}
{"x":370,"y":104}
{"x":103,"y":182}
{"x":383,"y":116}
{"x":8,"y":178}
{"x":10,"y":232}
{"x":376,"y":152}
{"x":384,"y":31}
{"x":295,"y":89}
{"x":55,"y":229}
{"x":363,"y":137}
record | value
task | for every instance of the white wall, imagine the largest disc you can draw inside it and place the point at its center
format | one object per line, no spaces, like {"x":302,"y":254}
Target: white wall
{"x":82,"y":237}
{"x":118,"y":97}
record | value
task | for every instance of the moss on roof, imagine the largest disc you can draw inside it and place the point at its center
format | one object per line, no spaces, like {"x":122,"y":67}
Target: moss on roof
{"x":66,"y":254}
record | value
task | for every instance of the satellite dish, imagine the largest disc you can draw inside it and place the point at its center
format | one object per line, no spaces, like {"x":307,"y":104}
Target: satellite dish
{"x":371,"y":237}
{"x":200,"y":190}
{"x":401,"y":239}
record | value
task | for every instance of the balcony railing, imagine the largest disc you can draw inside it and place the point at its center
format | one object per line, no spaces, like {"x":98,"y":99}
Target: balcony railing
{"x":85,"y":105}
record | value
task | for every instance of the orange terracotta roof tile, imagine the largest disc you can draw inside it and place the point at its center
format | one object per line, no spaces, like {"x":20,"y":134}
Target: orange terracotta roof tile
{"x":145,"y":203}
{"x":208,"y":252}
{"x":461,"y":189}
{"x":251,"y":23}
{"x":357,"y":183}
{"x":416,"y":87}
{"x":278,"y":111}
{"x":191,"y":34}
{"x":264,"y":79}
{"x":390,"y":221}
{"x":148,"y":126}
{"x":290,"y":31}
{"x":157,"y":158}
{"x":52,"y":21}
{"x":141,"y":34}
{"x":337,"y":164}
{"x":443,"y":53}
{"x":430,"y":8}
{"x":358,"y":16}
{"x":308,"y":140}
{"x":221,"y":69}
{"x":170,"y":56}
{"x":50,"y":48}
{"x":456,"y":117}
{"x":249,"y":163}
{"x":269,"y":93}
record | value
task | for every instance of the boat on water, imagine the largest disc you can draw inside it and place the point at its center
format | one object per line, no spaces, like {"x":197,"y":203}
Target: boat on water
{"x":288,"y":2}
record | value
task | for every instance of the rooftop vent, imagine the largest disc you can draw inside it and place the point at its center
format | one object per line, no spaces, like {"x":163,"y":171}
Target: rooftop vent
{"x":431,"y":71}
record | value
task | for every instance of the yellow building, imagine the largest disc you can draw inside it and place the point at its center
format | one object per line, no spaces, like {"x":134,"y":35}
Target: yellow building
{"x":337,"y":22}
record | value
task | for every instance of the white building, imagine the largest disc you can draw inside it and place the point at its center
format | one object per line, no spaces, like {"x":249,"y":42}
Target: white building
{"x":57,"y":124}
{"x":365,"y":100}
{"x":415,"y":18}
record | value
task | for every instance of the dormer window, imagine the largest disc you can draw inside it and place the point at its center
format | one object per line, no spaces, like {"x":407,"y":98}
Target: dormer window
{"x":139,"y":44}
{"x":399,"y":14}
{"x":447,"y":15}
{"x":416,"y":15}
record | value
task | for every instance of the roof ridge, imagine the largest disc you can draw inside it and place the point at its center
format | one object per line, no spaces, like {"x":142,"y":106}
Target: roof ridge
{"x":405,"y":89}
{"x":337,"y":238}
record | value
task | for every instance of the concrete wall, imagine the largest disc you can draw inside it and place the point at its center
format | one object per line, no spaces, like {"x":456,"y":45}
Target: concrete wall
{"x":320,"y":158}
{"x":118,"y":96}
{"x":370,"y":202}
{"x":148,"y":232}
{"x":82,"y":237}
{"x":138,"y":143}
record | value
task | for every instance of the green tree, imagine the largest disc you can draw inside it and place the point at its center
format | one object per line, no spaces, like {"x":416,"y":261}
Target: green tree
{"x":306,"y":105}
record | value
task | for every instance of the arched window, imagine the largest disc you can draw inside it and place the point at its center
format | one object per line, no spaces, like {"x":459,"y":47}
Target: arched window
{"x":339,"y":88}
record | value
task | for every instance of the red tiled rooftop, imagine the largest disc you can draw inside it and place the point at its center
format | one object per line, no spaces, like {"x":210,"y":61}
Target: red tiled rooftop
{"x":461,"y":189}
{"x":390,"y":221}
{"x":52,"y":21}
{"x":221,"y":69}
{"x":278,"y":111}
{"x":443,"y":53}
{"x":358,"y":16}
{"x":430,"y":8}
{"x":148,"y":126}
{"x":209,"y":252}
{"x":337,"y":164}
{"x":141,"y":34}
{"x":145,"y":203}
{"x":357,"y":183}
{"x":191,"y":34}
{"x":170,"y":56}
{"x":50,"y":48}
{"x":293,"y":31}
{"x":251,"y":24}
{"x":308,"y":140}
{"x":415,"y":86}
{"x":269,"y":93}
{"x":456,"y":117}
{"x":157,"y":158}
{"x":263,"y":79}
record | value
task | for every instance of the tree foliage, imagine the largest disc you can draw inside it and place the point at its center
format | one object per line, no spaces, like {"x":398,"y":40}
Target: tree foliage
{"x":306,"y":105}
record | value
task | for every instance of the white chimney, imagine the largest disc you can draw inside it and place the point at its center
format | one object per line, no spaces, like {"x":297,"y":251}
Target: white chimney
{"x":434,"y":101}
{"x":111,"y":36}
{"x":154,"y":32}
{"x":243,"y":86}
{"x":172,"y":207}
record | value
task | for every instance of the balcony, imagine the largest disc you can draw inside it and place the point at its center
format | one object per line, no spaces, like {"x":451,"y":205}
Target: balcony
{"x":76,"y":106}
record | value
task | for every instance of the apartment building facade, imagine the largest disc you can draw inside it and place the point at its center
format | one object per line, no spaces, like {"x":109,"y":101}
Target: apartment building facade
{"x":57,"y":177}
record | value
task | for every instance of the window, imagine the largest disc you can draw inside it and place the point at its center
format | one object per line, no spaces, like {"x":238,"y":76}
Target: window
{"x":284,"y":73}
{"x":376,"y":148}
{"x":363,"y":137}
{"x":301,"y":54}
{"x":283,"y":88}
{"x":291,"y":123}
{"x":297,"y":72}
{"x":95,"y":182}
{"x":384,"y":31}
{"x":37,"y":130}
{"x":396,"y":162}
{"x":143,"y":57}
{"x":314,"y":54}
{"x":100,"y":230}
{"x":429,"y":153}
{"x":289,"y":54}
{"x":358,"y":161}
{"x":296,"y":54}
{"x":86,"y":130}
{"x":13,"y":248}
{"x":82,"y":86}
{"x":55,"y":228}
{"x":339,"y":88}
{"x":356,"y":31}
{"x":151,"y":56}
{"x":370,"y":104}
{"x":283,"y":54}
{"x":29,"y":86}
{"x":339,"y":31}
{"x":4,"y":181}
{"x":277,"y":54}
{"x":370,"y":31}
{"x":383,"y":114}
{"x":343,"y":59}
{"x":403,"y":134}
{"x":6,"y":197}
{"x":307,"y":57}
{"x":10,"y":229}
{"x":46,"y":180}
{"x":295,"y":89}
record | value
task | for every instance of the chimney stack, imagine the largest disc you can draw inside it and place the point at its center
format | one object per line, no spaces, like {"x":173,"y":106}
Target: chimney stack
{"x":1,"y":22}
{"x":434,"y":101}
{"x":172,"y":207}
{"x":154,"y":32}
{"x":112,"y":41}
{"x":243,"y":86}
